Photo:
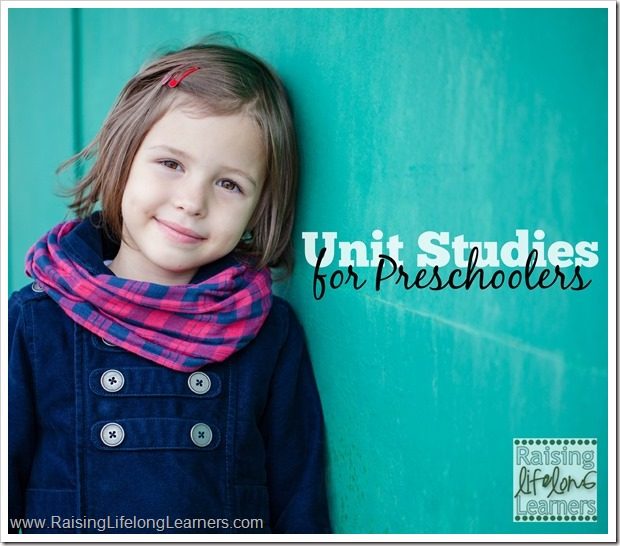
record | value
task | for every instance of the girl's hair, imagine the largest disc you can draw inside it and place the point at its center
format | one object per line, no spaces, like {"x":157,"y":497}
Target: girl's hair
{"x":229,"y":81}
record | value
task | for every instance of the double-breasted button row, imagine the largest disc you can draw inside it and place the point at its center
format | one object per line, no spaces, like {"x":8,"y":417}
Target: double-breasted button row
{"x":113,"y":434}
{"x":113,"y":381}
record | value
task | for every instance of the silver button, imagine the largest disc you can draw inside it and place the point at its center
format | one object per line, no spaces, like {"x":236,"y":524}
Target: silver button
{"x":36,"y":287}
{"x":108,"y":343}
{"x":199,"y":382}
{"x":112,"y":381}
{"x":201,"y":434}
{"x":112,"y":434}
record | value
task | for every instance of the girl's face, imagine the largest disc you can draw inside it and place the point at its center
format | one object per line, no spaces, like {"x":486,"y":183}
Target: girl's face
{"x":192,"y":189}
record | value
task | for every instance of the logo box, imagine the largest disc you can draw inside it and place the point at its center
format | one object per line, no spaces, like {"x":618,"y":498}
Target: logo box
{"x":554,"y":479}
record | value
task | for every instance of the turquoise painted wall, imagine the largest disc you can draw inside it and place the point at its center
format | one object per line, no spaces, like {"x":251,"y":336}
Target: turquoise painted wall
{"x":472,"y":121}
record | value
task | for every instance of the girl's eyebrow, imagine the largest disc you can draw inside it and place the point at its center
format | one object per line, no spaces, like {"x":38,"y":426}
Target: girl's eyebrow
{"x":172,"y":150}
{"x":184,"y":155}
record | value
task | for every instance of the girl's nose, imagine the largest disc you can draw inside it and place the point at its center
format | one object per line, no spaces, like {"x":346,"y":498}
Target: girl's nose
{"x":191,"y":198}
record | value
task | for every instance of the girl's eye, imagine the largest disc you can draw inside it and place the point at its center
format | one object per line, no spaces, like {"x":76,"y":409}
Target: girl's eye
{"x":229,"y":185}
{"x":171,"y":164}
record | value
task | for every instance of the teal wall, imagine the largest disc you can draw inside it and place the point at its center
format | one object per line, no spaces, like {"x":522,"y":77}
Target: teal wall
{"x":472,"y":121}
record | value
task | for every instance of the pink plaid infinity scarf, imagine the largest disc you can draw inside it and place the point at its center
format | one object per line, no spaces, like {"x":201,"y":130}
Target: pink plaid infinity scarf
{"x":180,"y":327}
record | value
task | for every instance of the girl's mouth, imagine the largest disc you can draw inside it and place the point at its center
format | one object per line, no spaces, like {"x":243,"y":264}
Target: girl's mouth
{"x":178,"y":233}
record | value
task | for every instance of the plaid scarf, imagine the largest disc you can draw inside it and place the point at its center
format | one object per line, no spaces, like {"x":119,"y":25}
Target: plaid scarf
{"x":180,"y":327}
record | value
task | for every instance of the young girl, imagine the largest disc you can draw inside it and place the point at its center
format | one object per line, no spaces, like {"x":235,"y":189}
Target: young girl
{"x":155,"y":383}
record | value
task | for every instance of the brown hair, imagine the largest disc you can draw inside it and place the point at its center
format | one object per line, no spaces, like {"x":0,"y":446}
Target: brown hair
{"x":230,"y":81}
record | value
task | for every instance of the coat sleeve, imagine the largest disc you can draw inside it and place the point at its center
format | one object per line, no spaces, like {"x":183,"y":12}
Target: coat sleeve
{"x":294,"y":434}
{"x":21,"y":417}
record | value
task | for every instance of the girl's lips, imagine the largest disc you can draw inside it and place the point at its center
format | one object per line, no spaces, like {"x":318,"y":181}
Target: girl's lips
{"x":179,"y":233}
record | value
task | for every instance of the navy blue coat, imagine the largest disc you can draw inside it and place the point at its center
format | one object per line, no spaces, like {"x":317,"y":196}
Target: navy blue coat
{"x":244,"y":442}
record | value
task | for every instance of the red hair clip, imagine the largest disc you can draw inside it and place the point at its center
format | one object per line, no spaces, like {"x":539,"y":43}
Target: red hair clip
{"x":173,"y":82}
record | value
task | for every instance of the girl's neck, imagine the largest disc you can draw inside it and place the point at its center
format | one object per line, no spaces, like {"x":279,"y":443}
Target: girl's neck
{"x":123,"y":266}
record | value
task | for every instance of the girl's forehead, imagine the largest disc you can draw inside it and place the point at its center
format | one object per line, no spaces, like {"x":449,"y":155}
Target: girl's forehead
{"x":192,"y":105}
{"x":194,"y":108}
